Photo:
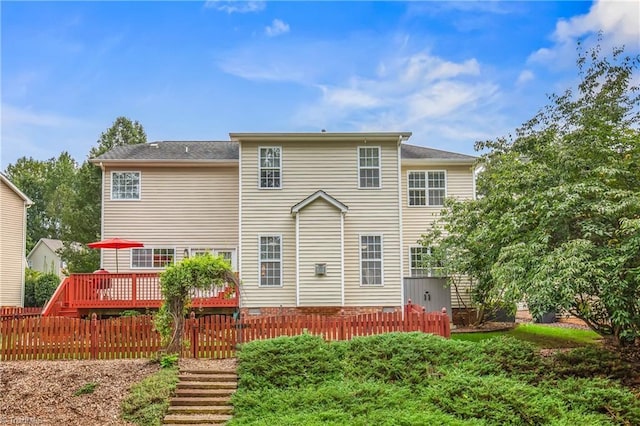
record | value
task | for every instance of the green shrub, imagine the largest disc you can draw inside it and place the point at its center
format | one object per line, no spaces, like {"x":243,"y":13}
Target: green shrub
{"x":129,"y":313}
{"x":591,"y":362}
{"x":30,"y":278}
{"x":286,"y":361}
{"x":402,"y":357}
{"x":414,"y":378}
{"x":46,"y":285}
{"x":169,"y":361}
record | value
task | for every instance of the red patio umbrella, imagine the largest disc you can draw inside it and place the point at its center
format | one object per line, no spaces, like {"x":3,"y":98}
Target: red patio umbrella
{"x":115,"y":243}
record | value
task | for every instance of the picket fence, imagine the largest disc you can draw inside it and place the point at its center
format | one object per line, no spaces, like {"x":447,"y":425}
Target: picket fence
{"x":7,"y":312}
{"x":214,"y":336}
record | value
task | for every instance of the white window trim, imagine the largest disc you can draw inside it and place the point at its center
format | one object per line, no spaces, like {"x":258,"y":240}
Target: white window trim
{"x":381,"y":258}
{"x":175,"y":251}
{"x":139,"y":186}
{"x":379,"y":167}
{"x":260,"y":261}
{"x":429,"y":273}
{"x":260,"y":169}
{"x":426,"y":188}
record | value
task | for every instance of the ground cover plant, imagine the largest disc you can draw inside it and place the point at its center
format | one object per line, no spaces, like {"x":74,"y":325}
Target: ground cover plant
{"x":540,"y":335}
{"x":416,"y":378}
{"x":148,"y":400}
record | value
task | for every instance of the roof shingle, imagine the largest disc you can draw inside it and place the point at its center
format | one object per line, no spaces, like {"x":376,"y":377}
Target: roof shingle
{"x":228,"y":150}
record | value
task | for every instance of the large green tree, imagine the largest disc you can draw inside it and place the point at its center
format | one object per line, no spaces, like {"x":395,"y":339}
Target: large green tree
{"x":49,"y":185}
{"x":83,"y":218}
{"x":557,"y":220}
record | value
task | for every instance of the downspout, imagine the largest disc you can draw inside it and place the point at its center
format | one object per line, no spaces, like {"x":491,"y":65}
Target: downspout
{"x":24,"y":249}
{"x":102,"y":168}
{"x":400,"y":227}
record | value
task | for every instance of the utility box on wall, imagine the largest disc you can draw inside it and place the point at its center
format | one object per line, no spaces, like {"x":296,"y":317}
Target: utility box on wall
{"x":321,"y":269}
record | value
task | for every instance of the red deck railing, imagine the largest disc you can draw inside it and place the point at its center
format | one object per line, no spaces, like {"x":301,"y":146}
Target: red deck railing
{"x":125,"y":291}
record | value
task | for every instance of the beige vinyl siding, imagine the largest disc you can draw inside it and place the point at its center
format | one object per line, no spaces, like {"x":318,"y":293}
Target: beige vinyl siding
{"x":333,"y":167}
{"x":12,"y":255}
{"x":179,"y":208}
{"x":416,"y":220}
{"x":319,"y":231}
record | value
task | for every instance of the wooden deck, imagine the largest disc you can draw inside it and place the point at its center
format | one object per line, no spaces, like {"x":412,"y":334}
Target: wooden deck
{"x":80,"y":294}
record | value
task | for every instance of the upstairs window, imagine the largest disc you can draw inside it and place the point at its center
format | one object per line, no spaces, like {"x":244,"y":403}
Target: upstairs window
{"x":148,"y":258}
{"x":436,"y":184}
{"x":426,"y":188}
{"x":368,"y":167}
{"x":125,"y":185}
{"x":417,"y":189}
{"x":270,"y":167}
{"x":270,"y":261}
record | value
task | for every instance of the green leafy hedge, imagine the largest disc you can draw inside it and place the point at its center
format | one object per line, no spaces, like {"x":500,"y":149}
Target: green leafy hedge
{"x":415,"y":378}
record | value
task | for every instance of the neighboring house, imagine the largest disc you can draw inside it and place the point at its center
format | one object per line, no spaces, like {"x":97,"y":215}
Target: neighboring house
{"x":13,"y":228}
{"x":311,"y":221}
{"x":44,"y":257}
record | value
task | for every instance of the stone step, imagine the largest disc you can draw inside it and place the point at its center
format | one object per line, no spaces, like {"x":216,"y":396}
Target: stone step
{"x":204,"y":419}
{"x":207,"y":385}
{"x":196,"y":400}
{"x":208,"y":377}
{"x":203,"y":393}
{"x":200,"y":409}
{"x":206,"y":371}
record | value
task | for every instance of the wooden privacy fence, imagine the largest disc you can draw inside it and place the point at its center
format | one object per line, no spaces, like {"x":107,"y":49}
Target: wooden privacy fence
{"x":7,"y":312}
{"x":214,"y":336}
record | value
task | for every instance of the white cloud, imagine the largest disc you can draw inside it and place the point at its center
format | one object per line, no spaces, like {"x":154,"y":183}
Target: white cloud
{"x":236,"y":6}
{"x":525,"y":76}
{"x":618,"y":20}
{"x":276,"y":28}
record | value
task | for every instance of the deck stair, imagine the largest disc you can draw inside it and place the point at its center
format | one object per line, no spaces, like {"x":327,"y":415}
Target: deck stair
{"x":203,"y":397}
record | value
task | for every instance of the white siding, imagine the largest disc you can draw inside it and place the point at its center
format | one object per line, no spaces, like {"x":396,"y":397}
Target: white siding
{"x":12,"y":255}
{"x":320,"y":243}
{"x":332,"y":167}
{"x":417,"y":220}
{"x":179,"y":208}
{"x":45,"y":260}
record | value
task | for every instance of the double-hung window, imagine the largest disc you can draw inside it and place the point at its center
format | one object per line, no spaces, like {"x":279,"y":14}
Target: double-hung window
{"x":125,"y":185}
{"x":417,"y":189}
{"x":371,"y":259}
{"x":425,"y":262}
{"x":270,"y":165}
{"x":369,"y":167}
{"x":426,"y":188}
{"x":270,"y":260}
{"x":147,"y":258}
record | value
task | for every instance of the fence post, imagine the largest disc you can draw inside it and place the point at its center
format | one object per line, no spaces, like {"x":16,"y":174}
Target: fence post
{"x":193,"y":326}
{"x":93,"y":339}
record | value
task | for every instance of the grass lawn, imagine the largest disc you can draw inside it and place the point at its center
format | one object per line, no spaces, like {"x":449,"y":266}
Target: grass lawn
{"x":542,"y":336}
{"x":419,"y":379}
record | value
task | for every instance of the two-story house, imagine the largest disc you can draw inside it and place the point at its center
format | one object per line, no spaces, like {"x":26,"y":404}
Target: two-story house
{"x":13,"y":228}
{"x":313,"y":222}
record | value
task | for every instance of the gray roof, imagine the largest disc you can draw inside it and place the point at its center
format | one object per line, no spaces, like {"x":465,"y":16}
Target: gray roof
{"x":174,"y":150}
{"x":53,"y":244}
{"x":228,"y":150}
{"x":414,"y":152}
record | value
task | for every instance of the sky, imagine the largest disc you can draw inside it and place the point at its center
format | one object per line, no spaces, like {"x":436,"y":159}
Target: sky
{"x":450,"y":72}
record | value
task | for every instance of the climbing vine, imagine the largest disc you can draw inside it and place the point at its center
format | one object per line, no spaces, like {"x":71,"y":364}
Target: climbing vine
{"x":177,"y":283}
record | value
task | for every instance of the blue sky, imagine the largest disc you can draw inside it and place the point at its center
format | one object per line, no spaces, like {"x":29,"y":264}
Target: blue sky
{"x":451,"y":73}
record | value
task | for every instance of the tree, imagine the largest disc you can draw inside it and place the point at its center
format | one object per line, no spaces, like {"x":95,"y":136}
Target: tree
{"x":177,"y":282}
{"x":557,"y":220}
{"x":84,"y":216}
{"x":48,"y":184}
